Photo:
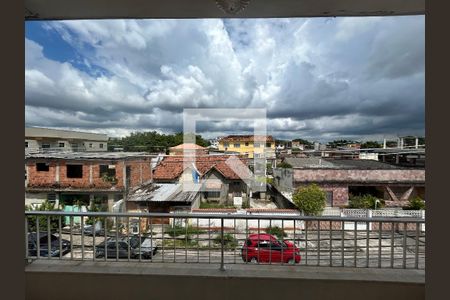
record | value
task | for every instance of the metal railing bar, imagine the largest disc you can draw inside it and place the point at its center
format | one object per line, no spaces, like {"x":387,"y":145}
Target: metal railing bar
{"x":367,"y":244}
{"x":331,"y":244}
{"x":38,"y":238}
{"x":356,"y":243}
{"x":48,"y":238}
{"x":392,"y":244}
{"x":60,"y":236}
{"x":318,"y":242}
{"x":117,"y":238}
{"x":82,"y":238}
{"x":26,"y":237}
{"x":342,"y":244}
{"x":231,"y":216}
{"x":380,"y":229}
{"x":416,"y":264}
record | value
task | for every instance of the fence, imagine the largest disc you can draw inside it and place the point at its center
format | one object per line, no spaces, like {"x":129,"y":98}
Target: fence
{"x":194,"y":238}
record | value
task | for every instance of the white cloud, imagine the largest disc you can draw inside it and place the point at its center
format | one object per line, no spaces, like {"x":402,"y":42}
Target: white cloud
{"x":316,"y":77}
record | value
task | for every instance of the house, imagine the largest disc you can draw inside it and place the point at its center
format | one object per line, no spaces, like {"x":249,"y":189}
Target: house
{"x":87,"y":177}
{"x":162,"y":197}
{"x":45,"y":139}
{"x":297,"y":144}
{"x":250,"y":145}
{"x":340,"y":178}
{"x":221,"y":177}
{"x":188,"y":149}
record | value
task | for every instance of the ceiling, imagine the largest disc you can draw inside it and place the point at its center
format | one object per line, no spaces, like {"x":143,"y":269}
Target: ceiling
{"x":114,"y":9}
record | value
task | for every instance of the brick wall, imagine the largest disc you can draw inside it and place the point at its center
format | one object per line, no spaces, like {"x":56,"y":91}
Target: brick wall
{"x":140,"y":172}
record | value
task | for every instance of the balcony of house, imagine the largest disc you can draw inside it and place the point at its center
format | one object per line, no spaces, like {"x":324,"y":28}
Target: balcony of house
{"x":199,"y":252}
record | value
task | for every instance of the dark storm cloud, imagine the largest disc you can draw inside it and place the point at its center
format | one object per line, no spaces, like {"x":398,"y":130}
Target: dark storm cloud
{"x":319,"y":78}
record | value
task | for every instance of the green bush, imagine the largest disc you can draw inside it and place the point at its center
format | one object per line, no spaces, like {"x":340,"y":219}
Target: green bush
{"x":245,"y":204}
{"x":284,"y":165}
{"x":43,"y":226}
{"x":277,"y":231}
{"x":178,"y":230}
{"x":228,"y":240}
{"x":416,"y":203}
{"x":310,"y":199}
{"x":364,"y":201}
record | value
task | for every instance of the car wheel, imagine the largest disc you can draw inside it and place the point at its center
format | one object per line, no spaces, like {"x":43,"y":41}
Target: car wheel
{"x":291,"y":261}
{"x":254,"y":260}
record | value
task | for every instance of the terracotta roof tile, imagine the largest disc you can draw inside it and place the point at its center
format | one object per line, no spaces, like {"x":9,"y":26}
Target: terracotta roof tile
{"x":171,"y":167}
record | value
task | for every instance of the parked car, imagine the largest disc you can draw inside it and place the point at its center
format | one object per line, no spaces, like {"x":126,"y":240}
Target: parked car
{"x":268,"y":249}
{"x":89,"y":230}
{"x":43,"y":245}
{"x":147,"y":249}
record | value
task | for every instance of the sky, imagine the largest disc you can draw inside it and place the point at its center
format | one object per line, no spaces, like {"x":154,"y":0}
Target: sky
{"x":321,"y":79}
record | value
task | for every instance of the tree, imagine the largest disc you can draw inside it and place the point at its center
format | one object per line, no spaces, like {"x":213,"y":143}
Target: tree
{"x":43,"y":225}
{"x":310,"y":199}
{"x":284,"y":165}
{"x":365,"y":201}
{"x":370,"y":144}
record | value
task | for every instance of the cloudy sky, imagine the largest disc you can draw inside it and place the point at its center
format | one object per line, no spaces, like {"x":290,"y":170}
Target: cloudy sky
{"x":319,"y":78}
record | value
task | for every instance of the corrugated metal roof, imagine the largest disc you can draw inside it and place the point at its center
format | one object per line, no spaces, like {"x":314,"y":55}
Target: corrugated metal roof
{"x":161,"y":192}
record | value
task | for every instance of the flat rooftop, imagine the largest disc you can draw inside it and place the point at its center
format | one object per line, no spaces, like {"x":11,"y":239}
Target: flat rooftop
{"x":87,"y":155}
{"x":327,"y":163}
{"x":40,"y":132}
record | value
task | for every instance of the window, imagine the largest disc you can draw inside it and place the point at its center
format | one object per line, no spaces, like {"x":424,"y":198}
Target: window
{"x":268,"y":145}
{"x":42,"y":167}
{"x":45,"y":146}
{"x":108,"y":170}
{"x":74,"y":171}
{"x":226,"y":145}
{"x":257,"y":145}
{"x":101,"y":146}
{"x":246,"y":144}
{"x":90,"y":145}
{"x":329,"y":198}
{"x":237,"y":145}
{"x":26,"y":144}
{"x":61,"y":145}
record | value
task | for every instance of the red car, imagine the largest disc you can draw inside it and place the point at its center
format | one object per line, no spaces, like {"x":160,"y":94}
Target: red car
{"x":267,"y":248}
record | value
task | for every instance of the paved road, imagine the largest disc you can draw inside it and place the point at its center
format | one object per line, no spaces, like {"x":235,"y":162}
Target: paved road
{"x":360,"y":251}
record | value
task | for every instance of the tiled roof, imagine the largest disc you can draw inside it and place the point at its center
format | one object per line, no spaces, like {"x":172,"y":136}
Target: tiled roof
{"x":171,"y":167}
{"x":247,"y":138}
{"x":214,"y":210}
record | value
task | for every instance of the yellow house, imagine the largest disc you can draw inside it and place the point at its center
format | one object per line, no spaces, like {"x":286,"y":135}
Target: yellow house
{"x":253,"y":146}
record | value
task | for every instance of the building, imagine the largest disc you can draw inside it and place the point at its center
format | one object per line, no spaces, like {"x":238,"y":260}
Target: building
{"x":162,"y":197}
{"x":297,"y":144}
{"x":250,"y":145}
{"x":46,"y":139}
{"x":84,"y":177}
{"x":341,"y":178}
{"x":188,"y":149}
{"x":219,"y":182}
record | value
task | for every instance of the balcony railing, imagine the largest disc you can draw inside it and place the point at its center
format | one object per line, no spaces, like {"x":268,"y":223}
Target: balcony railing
{"x":219,"y":239}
